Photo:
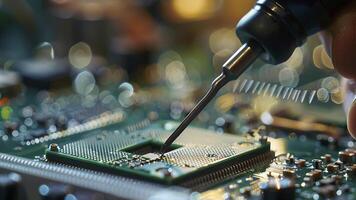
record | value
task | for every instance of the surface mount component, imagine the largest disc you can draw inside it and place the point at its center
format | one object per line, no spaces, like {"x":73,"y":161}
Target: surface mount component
{"x":10,"y":84}
{"x":196,"y":160}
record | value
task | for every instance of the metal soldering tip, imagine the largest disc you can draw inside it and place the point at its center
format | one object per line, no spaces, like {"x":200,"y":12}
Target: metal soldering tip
{"x":232,"y":69}
{"x":218,"y":83}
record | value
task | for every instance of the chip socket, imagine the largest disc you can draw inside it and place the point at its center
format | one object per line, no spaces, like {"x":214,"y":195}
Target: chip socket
{"x":198,"y":159}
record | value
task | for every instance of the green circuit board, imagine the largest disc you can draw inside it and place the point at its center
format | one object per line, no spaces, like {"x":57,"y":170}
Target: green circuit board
{"x":125,"y":143}
{"x":199,"y":157}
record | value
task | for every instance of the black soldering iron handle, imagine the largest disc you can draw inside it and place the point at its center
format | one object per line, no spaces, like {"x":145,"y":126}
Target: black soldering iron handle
{"x":280,"y":26}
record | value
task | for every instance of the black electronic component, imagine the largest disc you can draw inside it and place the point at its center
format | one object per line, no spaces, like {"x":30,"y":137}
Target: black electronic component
{"x":10,"y":84}
{"x":10,"y":186}
{"x":317,"y":164}
{"x":44,"y":74}
{"x":196,"y":161}
{"x":278,"y":189}
{"x":326,"y":158}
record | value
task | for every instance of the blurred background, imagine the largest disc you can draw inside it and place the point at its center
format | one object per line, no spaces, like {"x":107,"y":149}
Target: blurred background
{"x":128,"y":52}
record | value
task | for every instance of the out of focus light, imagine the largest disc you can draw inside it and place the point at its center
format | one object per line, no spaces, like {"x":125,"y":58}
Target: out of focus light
{"x":197,"y":9}
{"x":6,"y":112}
{"x":43,"y":190}
{"x":225,"y":102}
{"x":84,"y":83}
{"x":125,"y":99}
{"x":269,"y":72}
{"x":266,"y":118}
{"x":330,"y":83}
{"x":126,"y":94}
{"x":175,"y":74}
{"x":45,"y":51}
{"x":326,"y":60}
{"x":80,"y":55}
{"x":70,"y":197}
{"x":263,"y":104}
{"x":338,"y":96}
{"x":288,"y":77}
{"x":125,"y":86}
{"x":296,"y":60}
{"x":323,"y":95}
{"x":317,"y":56}
{"x":321,"y":58}
{"x":60,"y":1}
{"x":3,"y":100}
{"x":167,"y":57}
{"x":224,"y":39}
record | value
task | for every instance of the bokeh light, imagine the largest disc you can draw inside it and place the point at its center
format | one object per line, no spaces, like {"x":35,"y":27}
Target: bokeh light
{"x":126,"y":92}
{"x":323,"y":95}
{"x":225,"y":102}
{"x":125,"y":86}
{"x":167,"y":57}
{"x":6,"y":112}
{"x":80,"y":55}
{"x":176,"y":74}
{"x":338,"y":97}
{"x":330,"y":83}
{"x":288,"y":77}
{"x":224,"y":39}
{"x":84,"y":83}
{"x":262,"y":104}
{"x":296,"y":60}
{"x":321,"y":58}
{"x":44,"y":51}
{"x":194,"y":10}
{"x":326,"y":60}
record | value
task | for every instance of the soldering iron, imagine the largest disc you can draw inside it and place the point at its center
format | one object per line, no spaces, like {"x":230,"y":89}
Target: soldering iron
{"x":271,"y":30}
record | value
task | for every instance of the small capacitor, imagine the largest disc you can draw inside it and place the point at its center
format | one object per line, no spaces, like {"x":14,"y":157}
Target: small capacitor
{"x":300,"y":163}
{"x":326,"y":158}
{"x":339,"y":164}
{"x":332,"y":168}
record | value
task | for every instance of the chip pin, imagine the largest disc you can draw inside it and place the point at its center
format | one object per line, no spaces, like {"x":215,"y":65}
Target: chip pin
{"x":266,"y":89}
{"x":311,"y":97}
{"x":290,"y":93}
{"x":236,"y":85}
{"x":304,"y":94}
{"x":274,"y":87}
{"x":297,"y":96}
{"x":249,"y":85}
{"x":279,"y":91}
{"x":285,"y":93}
{"x":255,"y":87}
{"x":243,"y":85}
{"x":261,"y":88}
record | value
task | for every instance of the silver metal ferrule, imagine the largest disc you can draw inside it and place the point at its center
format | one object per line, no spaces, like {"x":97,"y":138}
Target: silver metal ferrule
{"x":241,"y":60}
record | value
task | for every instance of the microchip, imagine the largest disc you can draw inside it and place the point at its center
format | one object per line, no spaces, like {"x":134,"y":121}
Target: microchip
{"x":199,"y":158}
